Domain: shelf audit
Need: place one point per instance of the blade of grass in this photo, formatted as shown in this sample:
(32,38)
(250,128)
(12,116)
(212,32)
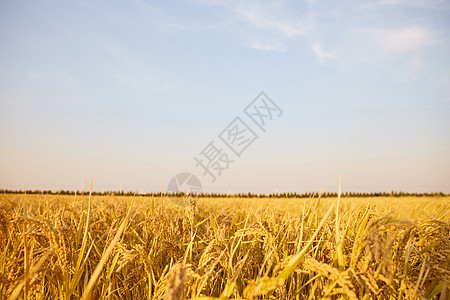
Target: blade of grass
(87,294)
(295,261)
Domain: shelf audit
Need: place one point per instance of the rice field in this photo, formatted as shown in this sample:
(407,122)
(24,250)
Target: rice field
(111,247)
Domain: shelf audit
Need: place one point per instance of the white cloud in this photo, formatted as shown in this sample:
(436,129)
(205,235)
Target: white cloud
(403,40)
(267,16)
(261,25)
(351,27)
(262,18)
(321,54)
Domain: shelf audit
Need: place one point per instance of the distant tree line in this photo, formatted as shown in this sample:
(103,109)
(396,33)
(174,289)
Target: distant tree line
(222,195)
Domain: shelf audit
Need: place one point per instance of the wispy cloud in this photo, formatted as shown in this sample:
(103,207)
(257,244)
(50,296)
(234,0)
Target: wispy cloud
(404,40)
(352,27)
(322,55)
(262,18)
(270,19)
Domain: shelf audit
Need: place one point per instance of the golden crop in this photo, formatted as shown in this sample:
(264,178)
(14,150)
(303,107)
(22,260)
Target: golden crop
(66,247)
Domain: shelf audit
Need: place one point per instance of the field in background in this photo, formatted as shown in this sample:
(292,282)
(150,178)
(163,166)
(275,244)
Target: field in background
(68,247)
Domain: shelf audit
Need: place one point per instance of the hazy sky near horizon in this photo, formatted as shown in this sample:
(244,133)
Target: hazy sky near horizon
(132,91)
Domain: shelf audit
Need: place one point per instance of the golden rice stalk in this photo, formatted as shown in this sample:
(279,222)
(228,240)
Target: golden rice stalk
(262,286)
(295,261)
(175,286)
(87,294)
(34,269)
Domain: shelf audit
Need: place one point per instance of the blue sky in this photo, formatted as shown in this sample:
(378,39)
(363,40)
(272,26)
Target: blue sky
(131,91)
